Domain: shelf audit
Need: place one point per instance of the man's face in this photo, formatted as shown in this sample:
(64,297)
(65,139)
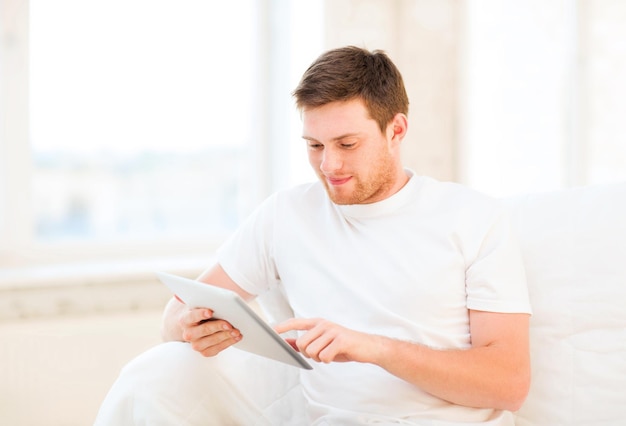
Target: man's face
(356,162)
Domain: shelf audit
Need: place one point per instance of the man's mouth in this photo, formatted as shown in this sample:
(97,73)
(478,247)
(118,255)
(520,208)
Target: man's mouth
(337,181)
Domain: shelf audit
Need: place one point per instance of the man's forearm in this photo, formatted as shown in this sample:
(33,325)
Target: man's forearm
(493,373)
(487,377)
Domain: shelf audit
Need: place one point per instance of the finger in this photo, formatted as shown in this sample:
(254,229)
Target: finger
(204,328)
(314,346)
(215,343)
(292,343)
(211,333)
(331,353)
(296,324)
(314,342)
(193,317)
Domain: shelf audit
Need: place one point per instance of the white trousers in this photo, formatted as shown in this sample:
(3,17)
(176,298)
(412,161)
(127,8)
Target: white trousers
(171,384)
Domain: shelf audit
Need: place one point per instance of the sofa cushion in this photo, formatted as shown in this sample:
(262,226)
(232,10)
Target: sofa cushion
(574,247)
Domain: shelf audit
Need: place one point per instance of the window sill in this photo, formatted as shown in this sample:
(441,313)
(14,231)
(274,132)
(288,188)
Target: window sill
(90,287)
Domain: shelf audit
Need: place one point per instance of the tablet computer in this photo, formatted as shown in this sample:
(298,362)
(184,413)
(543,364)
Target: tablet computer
(258,337)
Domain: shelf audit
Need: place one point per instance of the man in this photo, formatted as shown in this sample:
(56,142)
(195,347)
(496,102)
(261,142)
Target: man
(409,294)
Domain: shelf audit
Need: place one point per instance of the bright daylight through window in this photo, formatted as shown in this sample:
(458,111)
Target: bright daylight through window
(139,122)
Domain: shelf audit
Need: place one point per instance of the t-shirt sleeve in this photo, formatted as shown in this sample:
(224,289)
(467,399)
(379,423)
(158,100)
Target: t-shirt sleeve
(495,276)
(247,255)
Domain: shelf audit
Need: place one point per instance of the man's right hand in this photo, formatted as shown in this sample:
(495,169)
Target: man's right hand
(197,327)
(207,335)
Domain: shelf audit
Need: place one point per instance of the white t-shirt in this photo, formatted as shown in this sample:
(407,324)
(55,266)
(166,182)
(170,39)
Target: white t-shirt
(408,267)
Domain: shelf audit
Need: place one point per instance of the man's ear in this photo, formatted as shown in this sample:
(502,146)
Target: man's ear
(397,128)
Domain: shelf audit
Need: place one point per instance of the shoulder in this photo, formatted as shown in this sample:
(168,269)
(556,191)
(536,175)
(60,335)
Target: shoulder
(470,215)
(303,196)
(455,197)
(285,204)
(304,191)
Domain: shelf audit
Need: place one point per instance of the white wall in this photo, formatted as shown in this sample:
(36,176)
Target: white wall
(517,89)
(603,88)
(542,99)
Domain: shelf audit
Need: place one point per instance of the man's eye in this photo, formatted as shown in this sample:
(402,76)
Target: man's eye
(347,145)
(315,145)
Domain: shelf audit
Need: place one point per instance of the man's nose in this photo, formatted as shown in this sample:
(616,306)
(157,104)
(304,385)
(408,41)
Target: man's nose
(331,160)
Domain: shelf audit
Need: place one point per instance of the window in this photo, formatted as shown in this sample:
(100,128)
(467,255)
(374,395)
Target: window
(139,117)
(149,124)
(543,95)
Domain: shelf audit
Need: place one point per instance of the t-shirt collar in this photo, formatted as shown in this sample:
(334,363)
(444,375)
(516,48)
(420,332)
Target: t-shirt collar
(388,205)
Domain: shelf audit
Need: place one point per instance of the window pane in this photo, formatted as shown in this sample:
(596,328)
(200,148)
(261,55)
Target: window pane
(140,116)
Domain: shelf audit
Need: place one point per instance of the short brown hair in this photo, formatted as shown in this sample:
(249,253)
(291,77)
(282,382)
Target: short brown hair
(350,72)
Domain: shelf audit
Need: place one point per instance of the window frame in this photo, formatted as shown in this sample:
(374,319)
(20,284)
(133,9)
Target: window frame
(15,172)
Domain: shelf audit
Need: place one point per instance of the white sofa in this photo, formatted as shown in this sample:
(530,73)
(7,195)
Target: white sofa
(574,247)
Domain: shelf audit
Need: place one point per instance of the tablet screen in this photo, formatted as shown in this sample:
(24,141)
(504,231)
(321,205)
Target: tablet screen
(258,337)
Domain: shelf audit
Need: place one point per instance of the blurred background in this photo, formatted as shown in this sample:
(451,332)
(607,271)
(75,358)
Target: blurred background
(136,134)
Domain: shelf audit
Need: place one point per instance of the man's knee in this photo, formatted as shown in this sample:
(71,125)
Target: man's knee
(171,384)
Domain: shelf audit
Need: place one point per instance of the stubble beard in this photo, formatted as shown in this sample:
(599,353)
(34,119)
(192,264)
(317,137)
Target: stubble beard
(365,191)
